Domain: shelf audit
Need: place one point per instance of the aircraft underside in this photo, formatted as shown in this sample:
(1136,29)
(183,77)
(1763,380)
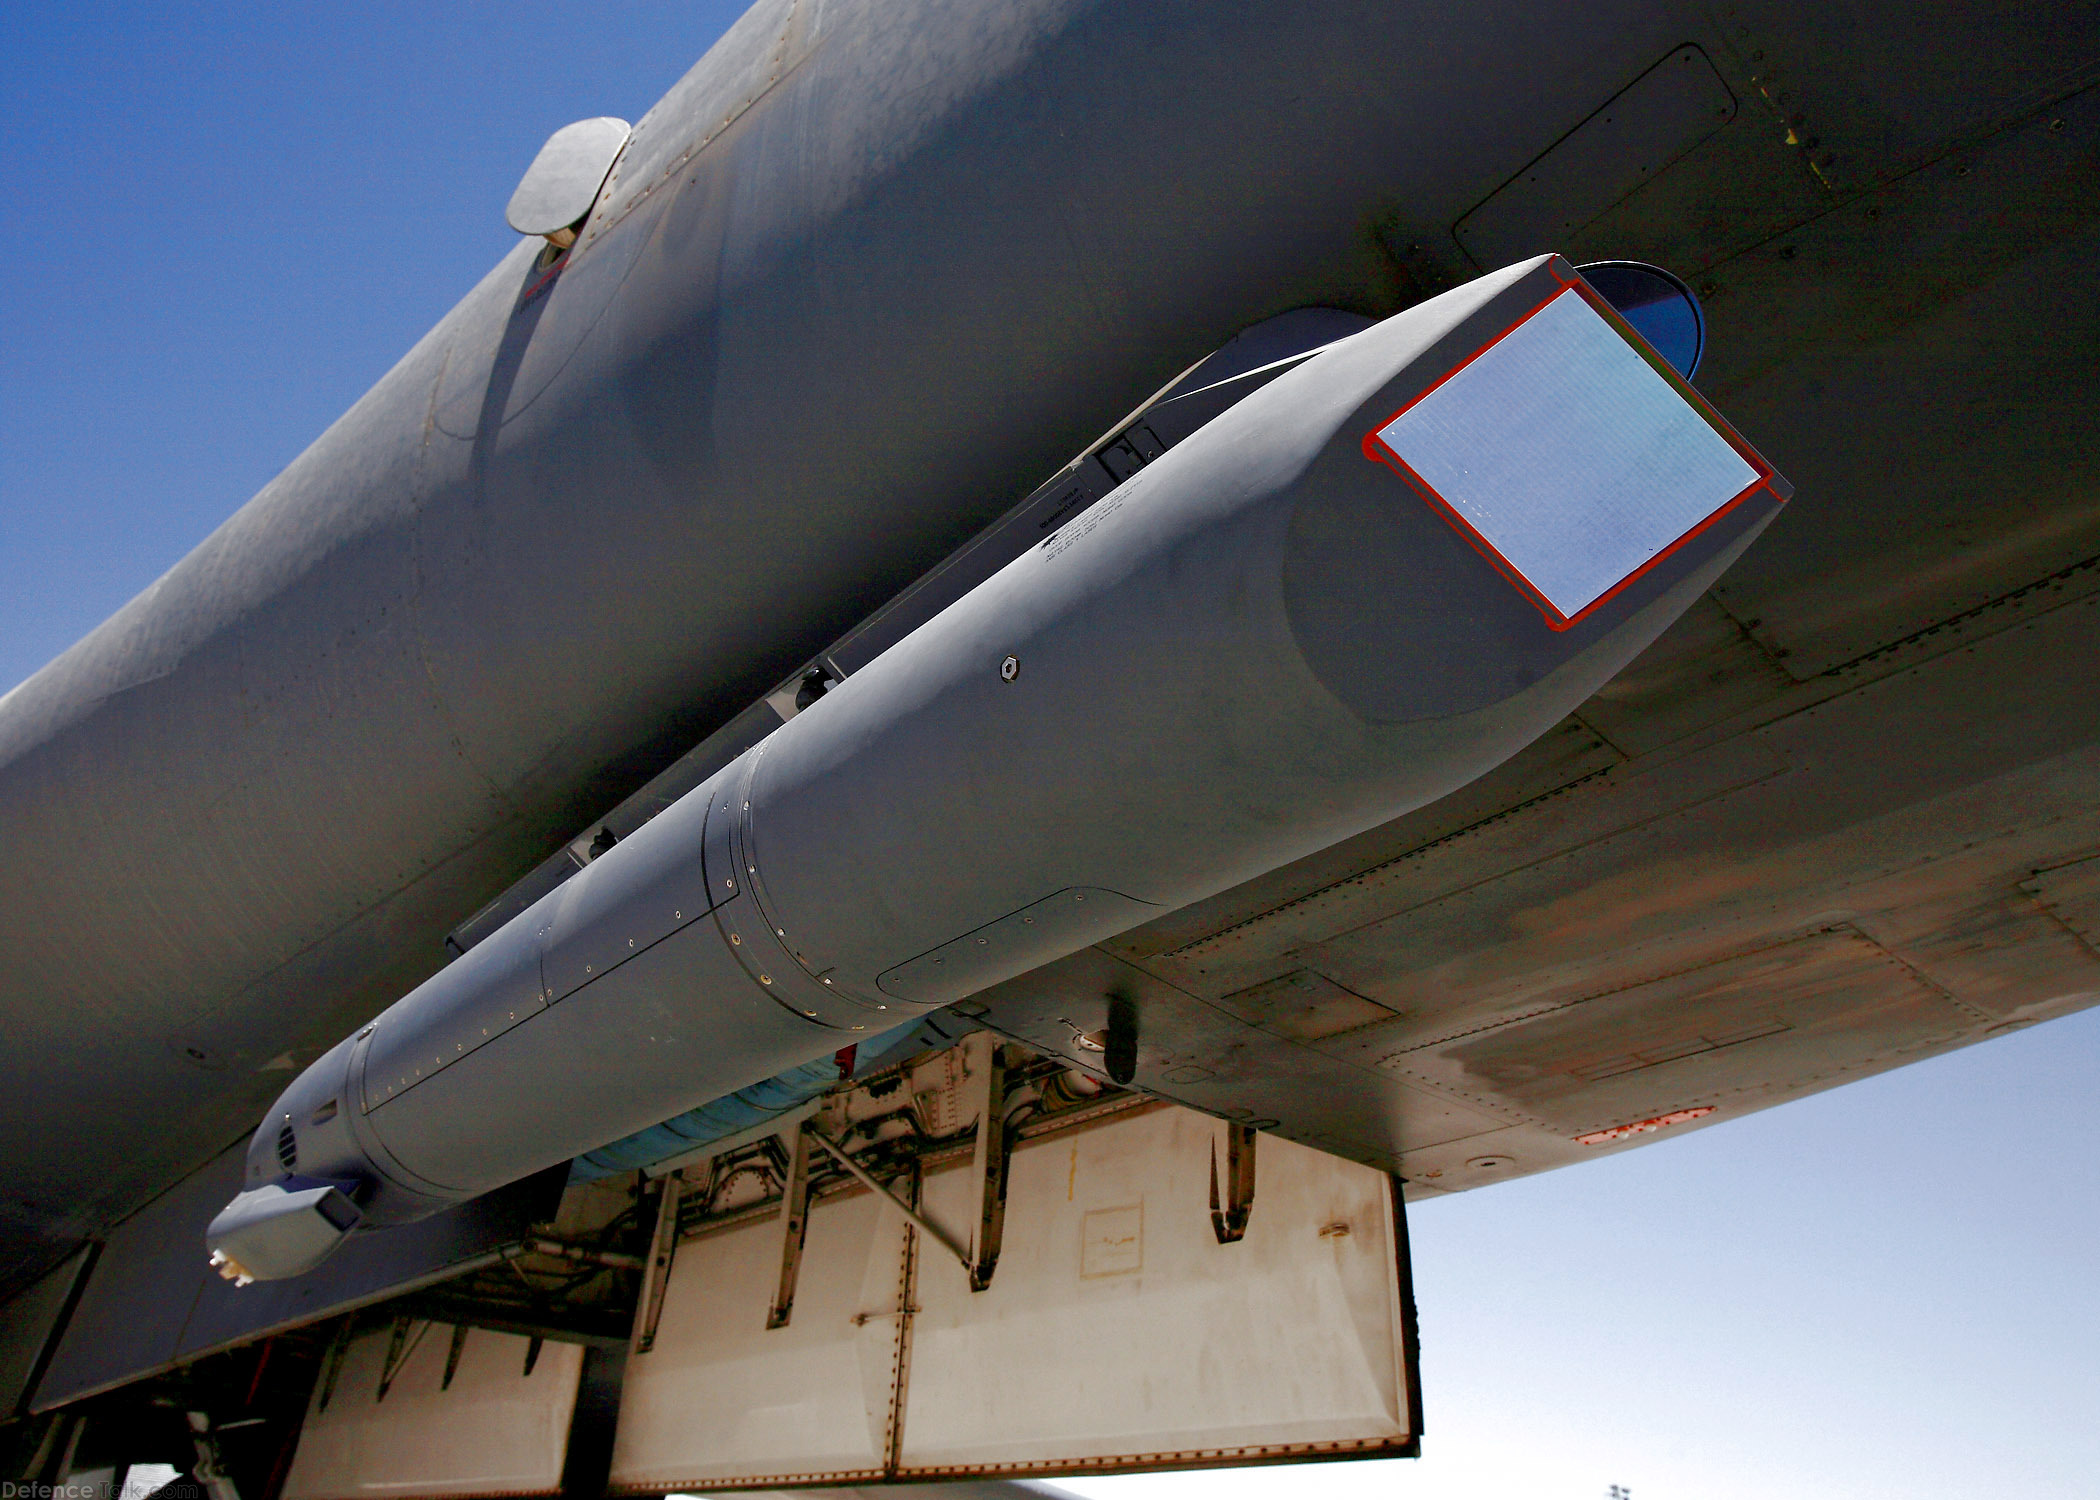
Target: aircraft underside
(874,950)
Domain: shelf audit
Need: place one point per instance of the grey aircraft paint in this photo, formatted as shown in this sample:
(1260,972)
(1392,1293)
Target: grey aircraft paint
(595,513)
(866,277)
(1257,645)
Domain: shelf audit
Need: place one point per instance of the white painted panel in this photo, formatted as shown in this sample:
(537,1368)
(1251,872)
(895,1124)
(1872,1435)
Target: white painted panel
(496,1431)
(1118,1328)
(721,1397)
(1117,1332)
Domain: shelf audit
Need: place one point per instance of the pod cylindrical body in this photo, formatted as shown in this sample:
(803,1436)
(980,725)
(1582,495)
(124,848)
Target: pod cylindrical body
(1258,645)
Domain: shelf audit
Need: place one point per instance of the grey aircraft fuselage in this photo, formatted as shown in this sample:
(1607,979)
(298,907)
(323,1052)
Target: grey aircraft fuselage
(860,281)
(797,356)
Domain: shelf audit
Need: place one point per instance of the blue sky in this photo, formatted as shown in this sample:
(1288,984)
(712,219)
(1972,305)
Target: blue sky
(228,220)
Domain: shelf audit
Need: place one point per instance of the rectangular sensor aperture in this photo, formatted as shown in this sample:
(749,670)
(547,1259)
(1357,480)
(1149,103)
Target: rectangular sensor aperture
(1568,455)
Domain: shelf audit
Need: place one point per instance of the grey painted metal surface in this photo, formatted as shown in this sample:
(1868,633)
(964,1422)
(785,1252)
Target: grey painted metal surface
(562,183)
(152,1304)
(30,1323)
(578,529)
(1259,644)
(279,1231)
(590,517)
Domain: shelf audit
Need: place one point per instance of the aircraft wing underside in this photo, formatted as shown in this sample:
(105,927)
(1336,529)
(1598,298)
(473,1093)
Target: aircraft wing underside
(1839,816)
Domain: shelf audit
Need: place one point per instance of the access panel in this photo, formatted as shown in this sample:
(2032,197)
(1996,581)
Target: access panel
(1123,1326)
(431,1410)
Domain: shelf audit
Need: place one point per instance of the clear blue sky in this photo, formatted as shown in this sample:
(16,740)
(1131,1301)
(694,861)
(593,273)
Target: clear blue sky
(228,220)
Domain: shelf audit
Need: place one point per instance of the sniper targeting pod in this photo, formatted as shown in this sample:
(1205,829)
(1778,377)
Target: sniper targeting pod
(1358,588)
